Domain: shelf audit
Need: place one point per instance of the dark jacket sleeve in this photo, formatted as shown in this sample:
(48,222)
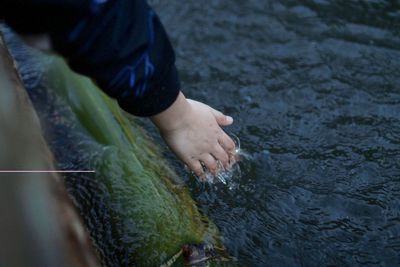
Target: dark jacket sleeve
(121,44)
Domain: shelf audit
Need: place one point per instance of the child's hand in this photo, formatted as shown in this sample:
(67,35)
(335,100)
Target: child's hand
(192,130)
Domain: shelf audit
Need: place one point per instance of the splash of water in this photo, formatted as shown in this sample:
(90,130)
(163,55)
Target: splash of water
(226,175)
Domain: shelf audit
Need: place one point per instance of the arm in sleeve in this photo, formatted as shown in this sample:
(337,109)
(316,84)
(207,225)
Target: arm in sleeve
(122,45)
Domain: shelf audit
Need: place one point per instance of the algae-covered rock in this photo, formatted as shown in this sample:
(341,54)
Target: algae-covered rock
(136,208)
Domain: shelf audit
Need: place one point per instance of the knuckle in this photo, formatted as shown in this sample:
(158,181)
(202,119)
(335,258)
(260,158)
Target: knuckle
(231,145)
(198,171)
(212,165)
(222,156)
(225,158)
(196,168)
(217,147)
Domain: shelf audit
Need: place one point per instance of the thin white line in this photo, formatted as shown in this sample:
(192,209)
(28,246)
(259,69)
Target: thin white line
(43,171)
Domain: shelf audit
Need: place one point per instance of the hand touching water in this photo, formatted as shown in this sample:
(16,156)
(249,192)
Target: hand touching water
(192,131)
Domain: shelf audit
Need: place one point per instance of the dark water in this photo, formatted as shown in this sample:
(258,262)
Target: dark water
(314,87)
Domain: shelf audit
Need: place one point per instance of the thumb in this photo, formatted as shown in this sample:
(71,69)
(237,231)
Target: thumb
(221,118)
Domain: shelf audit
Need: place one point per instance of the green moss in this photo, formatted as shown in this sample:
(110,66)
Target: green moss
(150,204)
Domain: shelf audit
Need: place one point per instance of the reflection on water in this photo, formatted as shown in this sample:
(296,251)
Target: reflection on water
(314,87)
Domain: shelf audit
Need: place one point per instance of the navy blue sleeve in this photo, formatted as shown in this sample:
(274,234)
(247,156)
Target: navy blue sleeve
(121,45)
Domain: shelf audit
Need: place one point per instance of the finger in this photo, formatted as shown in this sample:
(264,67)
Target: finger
(220,154)
(221,118)
(210,163)
(196,167)
(227,143)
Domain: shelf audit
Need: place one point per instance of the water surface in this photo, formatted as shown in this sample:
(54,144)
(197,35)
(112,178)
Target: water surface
(314,87)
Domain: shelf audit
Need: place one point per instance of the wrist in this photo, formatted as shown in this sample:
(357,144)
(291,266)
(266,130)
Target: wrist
(173,117)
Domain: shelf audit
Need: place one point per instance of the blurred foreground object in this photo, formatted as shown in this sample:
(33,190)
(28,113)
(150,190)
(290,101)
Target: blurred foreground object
(38,223)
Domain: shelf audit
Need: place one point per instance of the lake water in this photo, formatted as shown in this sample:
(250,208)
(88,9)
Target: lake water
(314,88)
